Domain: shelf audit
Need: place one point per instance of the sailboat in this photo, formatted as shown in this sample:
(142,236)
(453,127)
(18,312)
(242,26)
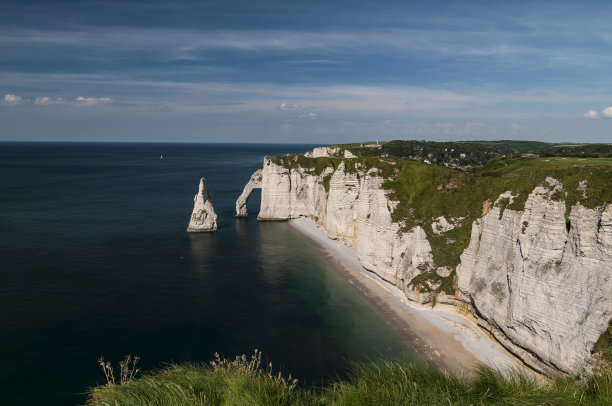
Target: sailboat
(161,157)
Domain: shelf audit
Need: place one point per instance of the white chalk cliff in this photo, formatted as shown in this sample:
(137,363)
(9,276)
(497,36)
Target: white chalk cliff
(541,287)
(203,217)
(329,152)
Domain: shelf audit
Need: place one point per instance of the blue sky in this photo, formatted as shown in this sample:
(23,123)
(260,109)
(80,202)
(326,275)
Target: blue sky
(305,72)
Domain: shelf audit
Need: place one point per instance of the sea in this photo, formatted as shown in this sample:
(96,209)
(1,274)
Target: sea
(95,262)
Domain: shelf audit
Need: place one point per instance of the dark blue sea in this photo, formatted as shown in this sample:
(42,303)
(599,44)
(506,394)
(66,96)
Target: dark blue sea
(95,261)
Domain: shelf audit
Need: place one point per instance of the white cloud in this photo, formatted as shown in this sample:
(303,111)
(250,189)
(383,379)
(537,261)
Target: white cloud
(293,107)
(607,112)
(42,100)
(12,98)
(49,100)
(90,101)
(286,107)
(590,114)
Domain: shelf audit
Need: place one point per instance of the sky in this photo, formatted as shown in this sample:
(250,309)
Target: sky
(305,72)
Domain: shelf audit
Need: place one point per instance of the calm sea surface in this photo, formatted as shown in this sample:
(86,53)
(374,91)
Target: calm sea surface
(95,261)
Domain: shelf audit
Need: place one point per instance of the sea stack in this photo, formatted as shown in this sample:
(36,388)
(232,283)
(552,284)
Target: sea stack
(203,218)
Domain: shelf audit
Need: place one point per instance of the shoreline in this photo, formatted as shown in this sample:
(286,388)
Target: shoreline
(440,334)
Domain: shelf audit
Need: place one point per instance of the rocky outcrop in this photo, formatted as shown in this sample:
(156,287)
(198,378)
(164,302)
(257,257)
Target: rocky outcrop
(441,225)
(540,284)
(203,217)
(348,154)
(241,203)
(322,152)
(329,152)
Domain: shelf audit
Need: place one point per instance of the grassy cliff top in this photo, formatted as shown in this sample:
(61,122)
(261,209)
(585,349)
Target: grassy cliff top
(426,192)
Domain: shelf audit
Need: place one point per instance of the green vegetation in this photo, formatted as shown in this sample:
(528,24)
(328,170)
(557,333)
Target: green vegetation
(502,204)
(430,281)
(470,154)
(456,154)
(577,150)
(243,382)
(603,346)
(426,192)
(316,166)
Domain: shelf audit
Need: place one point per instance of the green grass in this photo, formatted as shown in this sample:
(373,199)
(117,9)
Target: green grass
(603,346)
(381,383)
(191,384)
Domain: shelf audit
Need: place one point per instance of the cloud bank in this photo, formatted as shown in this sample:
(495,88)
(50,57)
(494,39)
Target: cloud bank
(10,98)
(605,113)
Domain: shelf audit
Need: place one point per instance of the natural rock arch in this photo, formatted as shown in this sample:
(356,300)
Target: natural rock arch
(241,203)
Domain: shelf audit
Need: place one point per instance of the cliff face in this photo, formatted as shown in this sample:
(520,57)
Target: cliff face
(540,284)
(354,208)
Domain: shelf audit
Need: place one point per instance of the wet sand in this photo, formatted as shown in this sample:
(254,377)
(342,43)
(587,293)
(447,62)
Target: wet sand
(440,334)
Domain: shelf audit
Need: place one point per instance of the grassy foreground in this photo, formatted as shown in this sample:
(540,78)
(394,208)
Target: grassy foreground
(243,382)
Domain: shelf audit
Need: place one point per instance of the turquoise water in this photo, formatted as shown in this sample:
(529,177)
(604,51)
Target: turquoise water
(95,261)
